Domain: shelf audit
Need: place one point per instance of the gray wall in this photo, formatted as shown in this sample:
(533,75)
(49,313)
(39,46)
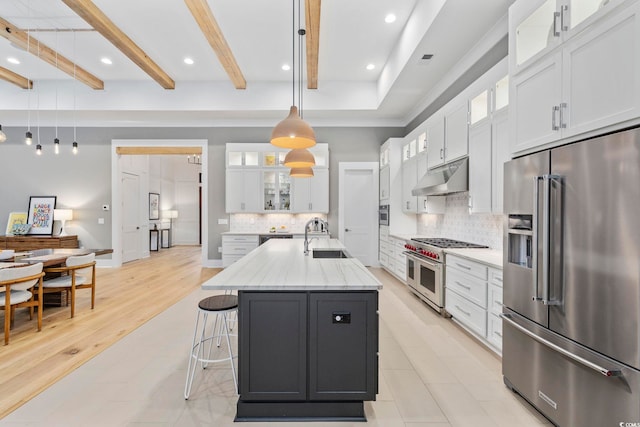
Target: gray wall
(83,182)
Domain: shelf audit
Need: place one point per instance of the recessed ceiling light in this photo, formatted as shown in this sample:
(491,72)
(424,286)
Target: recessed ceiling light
(13,60)
(370,67)
(286,67)
(106,60)
(188,61)
(390,18)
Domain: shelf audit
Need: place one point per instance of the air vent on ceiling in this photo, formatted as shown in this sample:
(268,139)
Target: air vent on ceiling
(427,56)
(425,59)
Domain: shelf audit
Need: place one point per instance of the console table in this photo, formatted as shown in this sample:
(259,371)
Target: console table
(29,243)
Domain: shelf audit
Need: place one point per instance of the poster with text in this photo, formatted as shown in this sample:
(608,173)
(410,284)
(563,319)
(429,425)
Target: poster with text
(41,214)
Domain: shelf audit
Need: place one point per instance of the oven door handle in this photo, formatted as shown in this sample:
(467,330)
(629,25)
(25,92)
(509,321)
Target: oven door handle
(435,265)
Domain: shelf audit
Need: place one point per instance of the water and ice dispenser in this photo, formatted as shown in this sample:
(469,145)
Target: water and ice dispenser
(520,240)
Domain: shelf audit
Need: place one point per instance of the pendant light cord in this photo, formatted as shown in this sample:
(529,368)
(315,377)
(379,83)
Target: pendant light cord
(300,32)
(74,87)
(57,84)
(293,51)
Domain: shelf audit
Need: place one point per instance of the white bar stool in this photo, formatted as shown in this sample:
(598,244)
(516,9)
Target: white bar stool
(222,306)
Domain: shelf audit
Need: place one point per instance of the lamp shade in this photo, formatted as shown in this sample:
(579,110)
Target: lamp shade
(63,214)
(171,214)
(299,158)
(293,132)
(301,173)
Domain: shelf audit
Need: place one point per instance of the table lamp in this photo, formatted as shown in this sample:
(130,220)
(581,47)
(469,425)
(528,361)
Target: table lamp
(62,215)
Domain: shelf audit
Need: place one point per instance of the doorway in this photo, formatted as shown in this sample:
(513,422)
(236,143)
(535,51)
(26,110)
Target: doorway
(358,210)
(149,147)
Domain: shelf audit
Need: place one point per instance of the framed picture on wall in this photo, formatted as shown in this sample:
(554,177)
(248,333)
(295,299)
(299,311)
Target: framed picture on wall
(154,206)
(40,214)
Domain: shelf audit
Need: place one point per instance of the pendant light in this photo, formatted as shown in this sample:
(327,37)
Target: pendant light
(299,158)
(301,173)
(3,136)
(74,148)
(293,132)
(56,141)
(28,136)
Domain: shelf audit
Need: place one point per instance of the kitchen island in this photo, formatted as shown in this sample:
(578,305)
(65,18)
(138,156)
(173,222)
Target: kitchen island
(307,332)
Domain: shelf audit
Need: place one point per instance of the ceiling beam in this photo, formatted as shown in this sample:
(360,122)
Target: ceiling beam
(32,45)
(158,150)
(16,79)
(312,22)
(102,24)
(209,26)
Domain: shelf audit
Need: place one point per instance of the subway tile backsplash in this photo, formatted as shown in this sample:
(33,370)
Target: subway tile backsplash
(261,223)
(457,223)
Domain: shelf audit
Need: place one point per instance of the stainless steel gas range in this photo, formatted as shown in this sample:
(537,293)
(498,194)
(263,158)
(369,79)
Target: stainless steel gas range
(425,267)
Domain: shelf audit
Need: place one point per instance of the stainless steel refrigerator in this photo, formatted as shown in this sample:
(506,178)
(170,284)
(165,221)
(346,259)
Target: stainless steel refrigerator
(571,317)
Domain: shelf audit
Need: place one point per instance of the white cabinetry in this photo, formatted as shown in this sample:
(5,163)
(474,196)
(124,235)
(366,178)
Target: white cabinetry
(243,190)
(575,68)
(391,254)
(235,246)
(414,166)
(257,181)
(448,132)
(489,141)
(473,298)
(385,184)
(311,194)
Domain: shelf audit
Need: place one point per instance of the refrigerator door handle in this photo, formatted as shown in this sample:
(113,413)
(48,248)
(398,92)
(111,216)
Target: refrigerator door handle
(547,244)
(534,240)
(604,371)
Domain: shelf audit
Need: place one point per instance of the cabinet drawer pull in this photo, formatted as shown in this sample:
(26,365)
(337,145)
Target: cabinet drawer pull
(466,267)
(497,302)
(498,279)
(562,107)
(464,286)
(498,333)
(556,32)
(464,312)
(554,112)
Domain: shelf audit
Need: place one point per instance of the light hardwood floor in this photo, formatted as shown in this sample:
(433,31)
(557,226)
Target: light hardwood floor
(126,298)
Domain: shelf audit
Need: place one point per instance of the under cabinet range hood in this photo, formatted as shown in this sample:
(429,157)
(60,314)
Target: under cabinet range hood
(447,179)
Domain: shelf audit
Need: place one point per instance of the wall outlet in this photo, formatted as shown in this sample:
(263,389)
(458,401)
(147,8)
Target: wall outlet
(101,221)
(105,207)
(223,221)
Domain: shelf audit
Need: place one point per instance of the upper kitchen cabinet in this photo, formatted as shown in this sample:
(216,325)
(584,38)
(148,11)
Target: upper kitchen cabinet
(276,187)
(448,133)
(583,77)
(385,173)
(243,191)
(311,194)
(488,140)
(242,158)
(426,204)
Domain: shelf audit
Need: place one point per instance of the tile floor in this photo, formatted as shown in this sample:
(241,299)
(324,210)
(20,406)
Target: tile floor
(431,375)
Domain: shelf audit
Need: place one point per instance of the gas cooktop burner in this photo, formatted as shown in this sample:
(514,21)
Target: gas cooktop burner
(447,243)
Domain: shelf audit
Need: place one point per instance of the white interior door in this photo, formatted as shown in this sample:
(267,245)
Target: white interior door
(186,228)
(358,210)
(130,217)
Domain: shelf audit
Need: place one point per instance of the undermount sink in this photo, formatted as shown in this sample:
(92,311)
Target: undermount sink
(330,253)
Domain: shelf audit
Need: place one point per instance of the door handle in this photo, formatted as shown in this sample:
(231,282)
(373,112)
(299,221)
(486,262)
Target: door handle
(347,229)
(137,228)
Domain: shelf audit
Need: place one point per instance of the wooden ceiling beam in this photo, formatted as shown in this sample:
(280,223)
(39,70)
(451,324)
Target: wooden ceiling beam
(102,24)
(312,22)
(158,150)
(16,79)
(32,45)
(209,26)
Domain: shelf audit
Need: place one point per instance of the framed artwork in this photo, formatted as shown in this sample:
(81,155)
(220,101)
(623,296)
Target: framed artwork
(40,214)
(154,206)
(15,218)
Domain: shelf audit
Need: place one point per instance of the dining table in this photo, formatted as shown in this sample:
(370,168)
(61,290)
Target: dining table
(55,257)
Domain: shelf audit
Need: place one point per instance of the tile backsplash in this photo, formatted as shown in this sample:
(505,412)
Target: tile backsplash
(457,223)
(261,223)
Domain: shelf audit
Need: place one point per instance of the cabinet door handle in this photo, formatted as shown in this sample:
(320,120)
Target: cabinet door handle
(563,24)
(466,267)
(562,108)
(554,124)
(556,32)
(464,286)
(462,311)
(442,153)
(347,229)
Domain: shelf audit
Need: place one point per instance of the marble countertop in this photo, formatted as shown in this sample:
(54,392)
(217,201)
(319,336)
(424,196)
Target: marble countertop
(280,265)
(491,257)
(260,233)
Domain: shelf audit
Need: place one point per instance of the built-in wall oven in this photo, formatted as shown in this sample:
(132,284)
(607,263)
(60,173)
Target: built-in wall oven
(383,215)
(425,267)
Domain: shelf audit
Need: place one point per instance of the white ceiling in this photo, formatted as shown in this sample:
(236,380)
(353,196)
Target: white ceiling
(259,32)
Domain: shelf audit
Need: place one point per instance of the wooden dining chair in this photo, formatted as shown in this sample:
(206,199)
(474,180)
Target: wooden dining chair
(16,291)
(79,272)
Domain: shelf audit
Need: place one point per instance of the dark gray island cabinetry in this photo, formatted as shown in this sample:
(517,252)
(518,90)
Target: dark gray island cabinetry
(307,333)
(307,354)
